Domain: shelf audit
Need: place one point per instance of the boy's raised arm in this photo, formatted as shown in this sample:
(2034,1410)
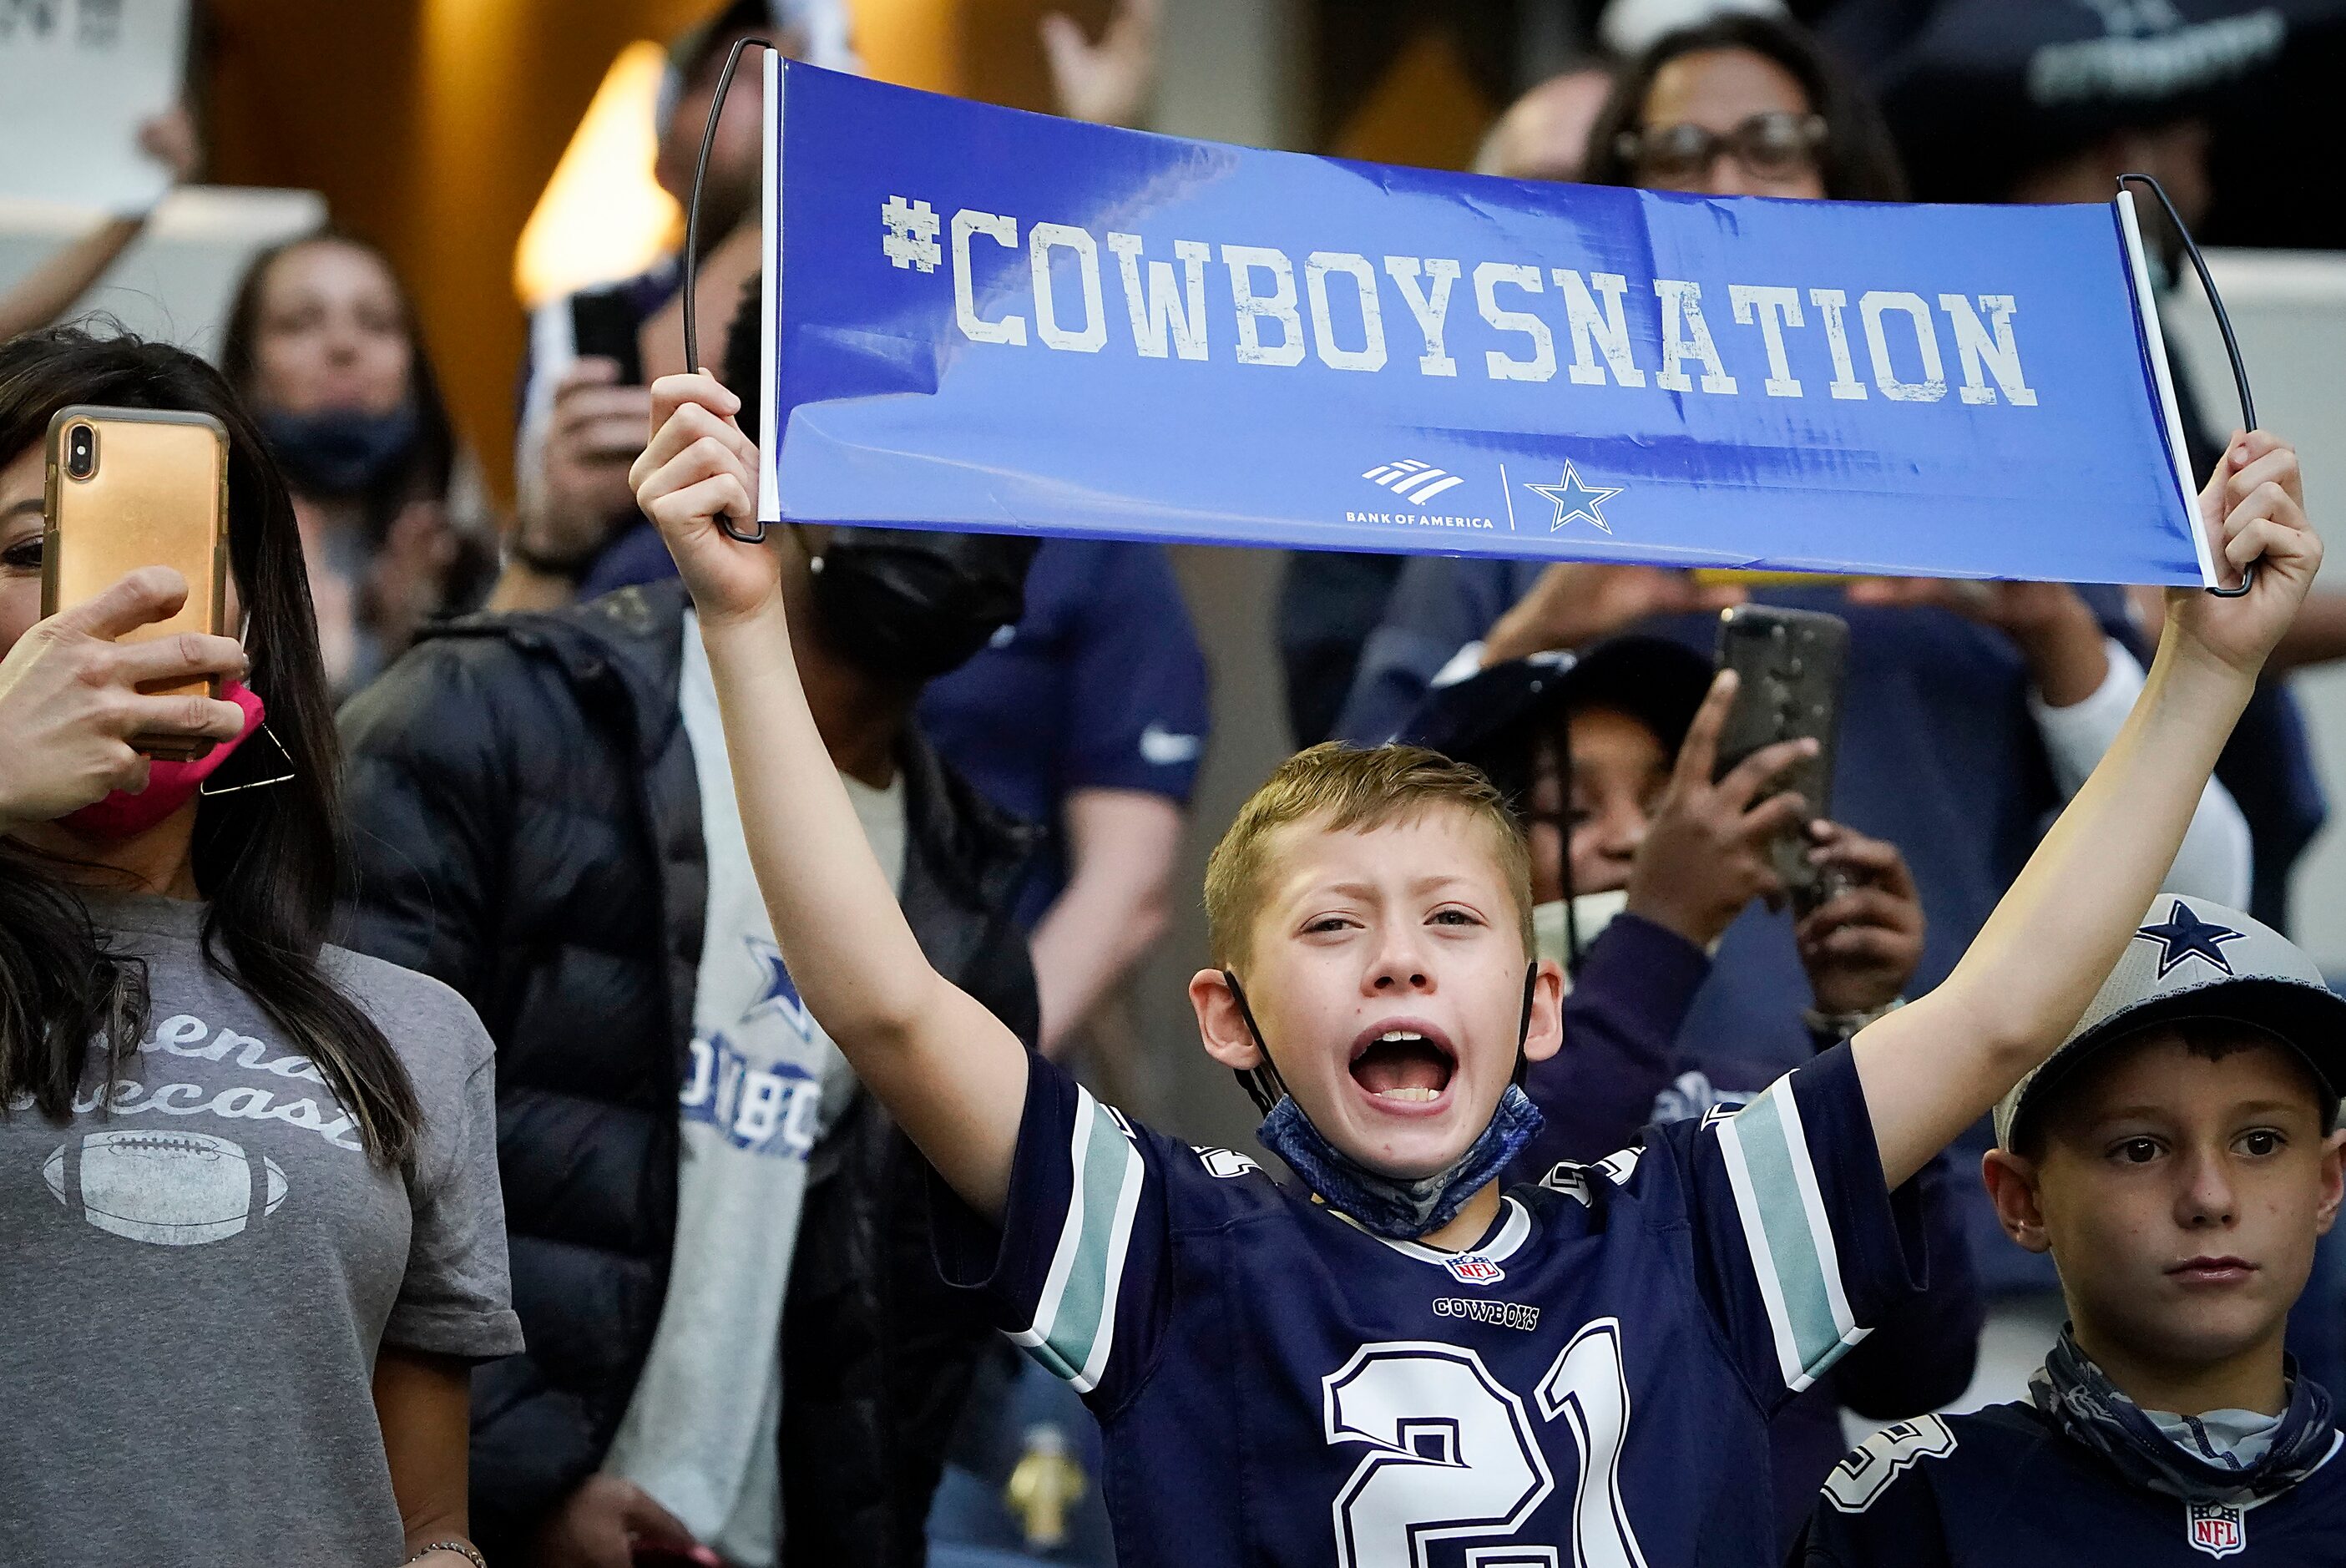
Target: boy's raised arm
(1932,1069)
(952,1074)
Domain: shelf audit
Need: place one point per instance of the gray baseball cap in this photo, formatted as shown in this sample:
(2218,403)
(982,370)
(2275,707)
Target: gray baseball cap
(2195,961)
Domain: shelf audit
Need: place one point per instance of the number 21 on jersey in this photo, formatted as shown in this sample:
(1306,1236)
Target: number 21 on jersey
(1452,1453)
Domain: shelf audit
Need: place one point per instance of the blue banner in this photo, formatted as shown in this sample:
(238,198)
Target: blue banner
(999,320)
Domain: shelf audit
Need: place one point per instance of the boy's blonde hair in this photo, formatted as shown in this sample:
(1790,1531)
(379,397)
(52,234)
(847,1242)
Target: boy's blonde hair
(1343,788)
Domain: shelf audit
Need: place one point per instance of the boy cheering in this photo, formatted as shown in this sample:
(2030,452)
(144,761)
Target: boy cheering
(2176,1157)
(1403,1366)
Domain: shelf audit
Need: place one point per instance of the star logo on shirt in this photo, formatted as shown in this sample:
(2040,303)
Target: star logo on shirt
(778,994)
(1576,499)
(2186,936)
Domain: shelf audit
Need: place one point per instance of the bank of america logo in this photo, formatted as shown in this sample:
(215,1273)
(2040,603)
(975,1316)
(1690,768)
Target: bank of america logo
(1416,483)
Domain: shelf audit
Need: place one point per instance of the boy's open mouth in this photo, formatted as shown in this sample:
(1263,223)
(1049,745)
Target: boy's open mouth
(1407,1063)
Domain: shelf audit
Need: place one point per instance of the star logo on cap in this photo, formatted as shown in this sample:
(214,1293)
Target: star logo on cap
(2184,936)
(1574,498)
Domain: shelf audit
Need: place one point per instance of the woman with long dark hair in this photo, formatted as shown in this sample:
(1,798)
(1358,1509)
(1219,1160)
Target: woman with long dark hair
(251,1234)
(323,347)
(1743,105)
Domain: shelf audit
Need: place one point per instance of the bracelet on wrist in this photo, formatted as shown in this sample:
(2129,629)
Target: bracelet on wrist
(464,1549)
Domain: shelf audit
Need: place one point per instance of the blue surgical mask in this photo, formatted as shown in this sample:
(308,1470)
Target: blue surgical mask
(340,451)
(1392,1206)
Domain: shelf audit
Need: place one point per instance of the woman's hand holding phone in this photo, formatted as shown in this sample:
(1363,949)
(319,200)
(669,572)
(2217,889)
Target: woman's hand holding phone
(70,704)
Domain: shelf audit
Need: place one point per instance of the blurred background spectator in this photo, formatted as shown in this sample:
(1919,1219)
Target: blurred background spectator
(2002,101)
(2005,100)
(324,346)
(1088,718)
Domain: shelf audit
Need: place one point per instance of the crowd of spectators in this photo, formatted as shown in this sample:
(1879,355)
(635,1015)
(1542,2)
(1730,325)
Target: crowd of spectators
(694,1295)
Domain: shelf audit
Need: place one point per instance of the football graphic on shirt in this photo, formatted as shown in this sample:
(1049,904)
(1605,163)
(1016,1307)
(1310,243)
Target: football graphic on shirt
(168,1188)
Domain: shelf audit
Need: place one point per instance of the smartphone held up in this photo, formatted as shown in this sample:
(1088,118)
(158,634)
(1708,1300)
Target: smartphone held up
(127,488)
(1790,666)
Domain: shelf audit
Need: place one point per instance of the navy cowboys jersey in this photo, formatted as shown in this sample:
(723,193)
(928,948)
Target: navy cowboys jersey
(2004,1489)
(1587,1386)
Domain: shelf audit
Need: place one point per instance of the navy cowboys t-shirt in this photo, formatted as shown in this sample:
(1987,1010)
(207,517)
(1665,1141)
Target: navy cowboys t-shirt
(1589,1384)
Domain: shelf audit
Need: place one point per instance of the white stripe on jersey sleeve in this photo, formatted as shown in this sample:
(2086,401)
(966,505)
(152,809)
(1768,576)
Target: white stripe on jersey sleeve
(1788,1234)
(1071,1232)
(1755,1239)
(1812,1205)
(1075,1318)
(1120,1244)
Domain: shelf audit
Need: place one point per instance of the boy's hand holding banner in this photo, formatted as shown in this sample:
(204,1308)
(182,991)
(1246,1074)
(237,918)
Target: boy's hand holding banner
(985,319)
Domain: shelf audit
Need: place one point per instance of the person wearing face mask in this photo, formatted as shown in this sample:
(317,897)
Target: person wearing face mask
(720,1244)
(323,345)
(251,1235)
(1640,862)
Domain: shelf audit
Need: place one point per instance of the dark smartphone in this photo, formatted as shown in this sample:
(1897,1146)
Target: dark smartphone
(604,325)
(1790,665)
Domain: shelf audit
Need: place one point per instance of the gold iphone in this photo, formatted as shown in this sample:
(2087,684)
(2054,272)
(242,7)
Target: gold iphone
(132,487)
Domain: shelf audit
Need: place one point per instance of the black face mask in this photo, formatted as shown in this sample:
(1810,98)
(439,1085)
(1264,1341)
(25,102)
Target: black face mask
(912,605)
(340,451)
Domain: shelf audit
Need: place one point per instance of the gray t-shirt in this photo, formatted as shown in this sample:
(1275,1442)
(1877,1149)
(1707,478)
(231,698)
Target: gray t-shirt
(193,1285)
(766,1085)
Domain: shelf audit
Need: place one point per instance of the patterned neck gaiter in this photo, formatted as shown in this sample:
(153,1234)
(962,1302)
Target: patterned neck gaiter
(2075,1395)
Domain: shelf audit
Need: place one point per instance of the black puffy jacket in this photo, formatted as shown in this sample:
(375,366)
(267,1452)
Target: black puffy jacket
(527,820)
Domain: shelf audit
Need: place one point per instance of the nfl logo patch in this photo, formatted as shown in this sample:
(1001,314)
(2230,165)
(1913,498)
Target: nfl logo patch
(1473,1268)
(2217,1528)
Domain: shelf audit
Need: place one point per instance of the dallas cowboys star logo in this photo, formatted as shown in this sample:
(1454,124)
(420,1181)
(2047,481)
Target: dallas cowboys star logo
(1574,498)
(779,993)
(2186,935)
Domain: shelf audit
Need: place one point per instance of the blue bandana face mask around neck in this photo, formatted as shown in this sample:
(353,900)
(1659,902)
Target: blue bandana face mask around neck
(1391,1206)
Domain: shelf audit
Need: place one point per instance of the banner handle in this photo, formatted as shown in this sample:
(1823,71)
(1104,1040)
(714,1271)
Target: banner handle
(2232,344)
(692,247)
